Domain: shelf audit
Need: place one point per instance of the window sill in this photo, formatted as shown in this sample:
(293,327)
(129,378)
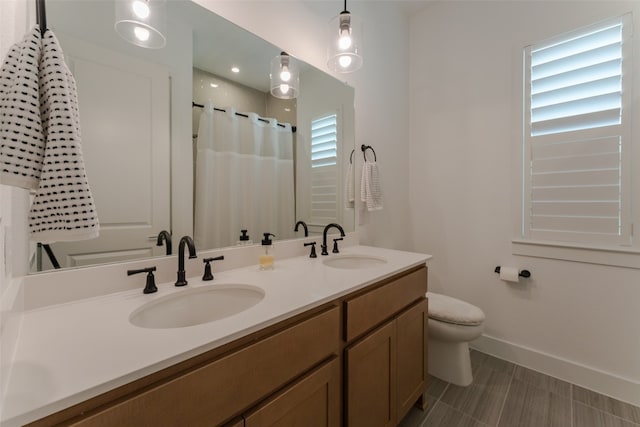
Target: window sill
(618,257)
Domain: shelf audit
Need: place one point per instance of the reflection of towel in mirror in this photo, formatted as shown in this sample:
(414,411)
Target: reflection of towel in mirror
(370,191)
(63,208)
(349,189)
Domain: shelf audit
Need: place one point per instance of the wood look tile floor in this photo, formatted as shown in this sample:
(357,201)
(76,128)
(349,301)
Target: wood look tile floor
(507,395)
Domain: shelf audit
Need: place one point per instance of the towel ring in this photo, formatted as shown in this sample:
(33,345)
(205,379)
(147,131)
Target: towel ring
(364,149)
(351,156)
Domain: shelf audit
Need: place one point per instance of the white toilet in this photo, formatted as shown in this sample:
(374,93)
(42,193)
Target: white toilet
(452,324)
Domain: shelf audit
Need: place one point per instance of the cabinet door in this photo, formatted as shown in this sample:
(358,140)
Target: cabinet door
(411,330)
(371,373)
(313,401)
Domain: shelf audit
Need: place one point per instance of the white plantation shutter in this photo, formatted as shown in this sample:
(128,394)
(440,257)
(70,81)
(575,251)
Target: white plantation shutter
(577,136)
(324,137)
(324,169)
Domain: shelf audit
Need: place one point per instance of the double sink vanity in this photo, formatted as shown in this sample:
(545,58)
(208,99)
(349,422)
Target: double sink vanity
(328,341)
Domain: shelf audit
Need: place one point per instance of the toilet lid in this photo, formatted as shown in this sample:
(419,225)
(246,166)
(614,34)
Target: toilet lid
(452,310)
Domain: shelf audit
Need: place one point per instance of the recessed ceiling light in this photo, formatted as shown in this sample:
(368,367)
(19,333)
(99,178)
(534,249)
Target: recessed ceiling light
(287,109)
(213,84)
(235,69)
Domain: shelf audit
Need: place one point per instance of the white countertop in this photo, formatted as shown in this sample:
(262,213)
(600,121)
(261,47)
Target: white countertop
(70,352)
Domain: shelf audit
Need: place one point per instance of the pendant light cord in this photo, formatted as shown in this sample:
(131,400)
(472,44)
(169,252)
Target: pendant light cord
(345,6)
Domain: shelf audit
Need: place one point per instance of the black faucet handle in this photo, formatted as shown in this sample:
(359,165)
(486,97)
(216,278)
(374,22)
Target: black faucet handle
(335,245)
(141,270)
(150,286)
(208,274)
(313,249)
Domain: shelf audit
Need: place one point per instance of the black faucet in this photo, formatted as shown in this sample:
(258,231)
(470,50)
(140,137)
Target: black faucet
(324,236)
(164,234)
(304,225)
(182,281)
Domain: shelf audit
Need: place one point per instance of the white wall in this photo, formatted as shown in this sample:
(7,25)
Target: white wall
(381,88)
(573,320)
(14,21)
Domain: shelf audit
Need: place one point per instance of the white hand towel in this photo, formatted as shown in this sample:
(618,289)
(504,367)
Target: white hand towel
(349,189)
(63,208)
(363,183)
(21,138)
(370,190)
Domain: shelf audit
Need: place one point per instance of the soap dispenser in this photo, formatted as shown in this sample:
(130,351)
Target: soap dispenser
(244,239)
(266,259)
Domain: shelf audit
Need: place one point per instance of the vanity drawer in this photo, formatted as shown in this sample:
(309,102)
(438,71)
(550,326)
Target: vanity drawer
(221,389)
(364,312)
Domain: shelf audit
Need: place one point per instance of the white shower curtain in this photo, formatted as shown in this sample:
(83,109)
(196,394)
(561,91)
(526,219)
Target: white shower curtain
(243,180)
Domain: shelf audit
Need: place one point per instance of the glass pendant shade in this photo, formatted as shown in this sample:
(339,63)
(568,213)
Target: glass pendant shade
(285,77)
(142,22)
(344,44)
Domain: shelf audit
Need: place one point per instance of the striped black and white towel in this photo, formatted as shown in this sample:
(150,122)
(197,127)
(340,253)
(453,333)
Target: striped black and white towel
(63,208)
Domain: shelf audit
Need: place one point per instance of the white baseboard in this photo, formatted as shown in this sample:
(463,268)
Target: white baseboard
(584,376)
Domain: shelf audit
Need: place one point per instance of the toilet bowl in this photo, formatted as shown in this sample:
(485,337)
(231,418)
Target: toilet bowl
(452,324)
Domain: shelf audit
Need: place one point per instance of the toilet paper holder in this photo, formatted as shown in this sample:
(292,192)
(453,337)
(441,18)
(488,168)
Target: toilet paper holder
(522,273)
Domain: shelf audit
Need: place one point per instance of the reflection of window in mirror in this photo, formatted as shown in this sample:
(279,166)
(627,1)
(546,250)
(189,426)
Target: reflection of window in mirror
(324,170)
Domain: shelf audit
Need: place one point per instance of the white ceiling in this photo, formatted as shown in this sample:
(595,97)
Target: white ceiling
(217,43)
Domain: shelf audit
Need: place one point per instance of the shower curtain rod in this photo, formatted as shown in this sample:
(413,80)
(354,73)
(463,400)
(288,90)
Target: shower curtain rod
(194,104)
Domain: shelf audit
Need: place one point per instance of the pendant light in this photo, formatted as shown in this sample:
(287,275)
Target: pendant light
(344,45)
(142,22)
(285,78)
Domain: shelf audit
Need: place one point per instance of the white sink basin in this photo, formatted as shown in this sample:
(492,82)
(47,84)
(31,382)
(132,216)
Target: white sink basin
(196,306)
(353,261)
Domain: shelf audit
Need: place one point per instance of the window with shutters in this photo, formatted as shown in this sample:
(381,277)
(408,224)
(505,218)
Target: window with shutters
(577,145)
(324,169)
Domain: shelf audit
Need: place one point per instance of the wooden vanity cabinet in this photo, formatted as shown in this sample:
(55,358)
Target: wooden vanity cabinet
(386,369)
(359,360)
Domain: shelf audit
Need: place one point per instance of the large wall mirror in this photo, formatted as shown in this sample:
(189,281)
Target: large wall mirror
(165,150)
